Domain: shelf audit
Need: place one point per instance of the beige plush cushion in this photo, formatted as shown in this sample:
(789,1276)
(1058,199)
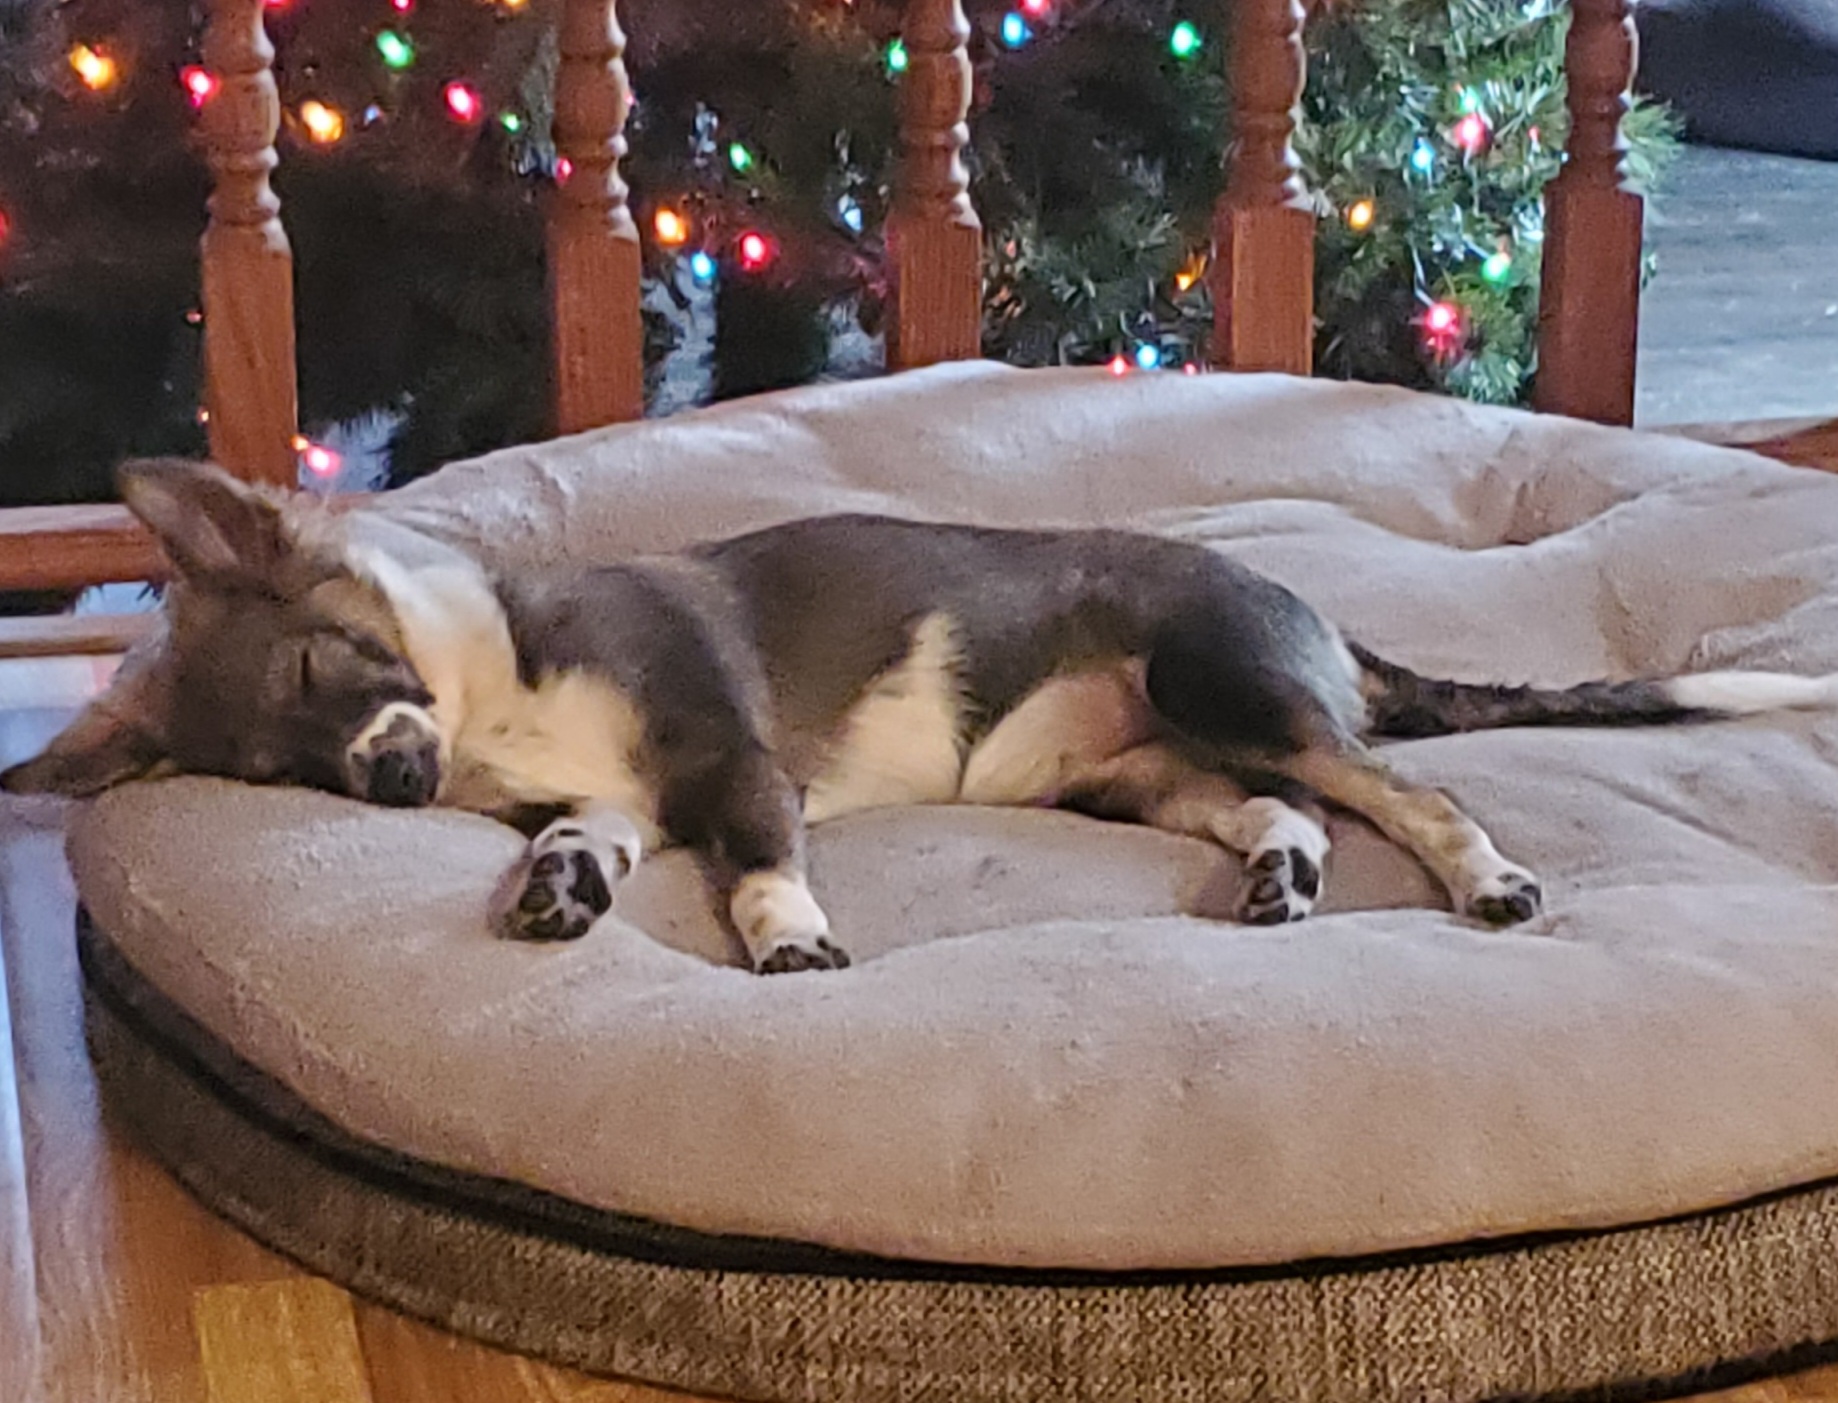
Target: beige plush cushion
(1044,1055)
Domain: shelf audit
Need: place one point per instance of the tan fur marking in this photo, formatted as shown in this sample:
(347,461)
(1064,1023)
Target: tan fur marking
(1453,846)
(1064,726)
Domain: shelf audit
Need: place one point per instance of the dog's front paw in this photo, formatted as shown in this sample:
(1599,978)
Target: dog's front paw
(1282,885)
(1506,897)
(560,887)
(784,928)
(793,954)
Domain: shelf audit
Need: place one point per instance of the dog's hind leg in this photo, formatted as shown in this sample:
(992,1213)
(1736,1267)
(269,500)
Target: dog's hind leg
(1284,847)
(1453,846)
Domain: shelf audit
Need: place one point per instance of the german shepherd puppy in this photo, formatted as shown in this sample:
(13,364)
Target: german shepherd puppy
(730,695)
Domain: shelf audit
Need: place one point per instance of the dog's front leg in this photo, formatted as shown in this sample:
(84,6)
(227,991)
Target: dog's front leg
(564,881)
(746,819)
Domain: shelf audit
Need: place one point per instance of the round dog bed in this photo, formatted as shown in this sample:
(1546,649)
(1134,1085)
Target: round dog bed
(1056,1133)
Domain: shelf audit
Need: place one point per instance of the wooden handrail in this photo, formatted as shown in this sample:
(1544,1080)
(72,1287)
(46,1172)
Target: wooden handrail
(1589,303)
(934,236)
(248,269)
(595,264)
(58,548)
(1263,270)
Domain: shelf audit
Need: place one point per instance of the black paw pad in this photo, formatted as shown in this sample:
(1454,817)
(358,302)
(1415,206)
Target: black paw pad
(1513,901)
(794,958)
(564,893)
(1284,885)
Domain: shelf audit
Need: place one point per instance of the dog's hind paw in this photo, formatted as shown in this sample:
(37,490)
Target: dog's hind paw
(560,887)
(792,956)
(1508,897)
(1283,885)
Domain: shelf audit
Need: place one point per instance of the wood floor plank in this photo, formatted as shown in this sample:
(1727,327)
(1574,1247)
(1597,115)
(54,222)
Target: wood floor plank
(1813,1386)
(279,1342)
(415,1363)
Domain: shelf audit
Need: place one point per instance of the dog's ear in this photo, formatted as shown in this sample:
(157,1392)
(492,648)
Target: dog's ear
(214,529)
(117,737)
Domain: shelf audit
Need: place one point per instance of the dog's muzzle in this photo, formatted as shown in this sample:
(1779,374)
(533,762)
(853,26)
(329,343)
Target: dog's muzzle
(395,759)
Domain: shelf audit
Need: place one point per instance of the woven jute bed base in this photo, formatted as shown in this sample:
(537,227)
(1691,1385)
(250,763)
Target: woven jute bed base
(1653,1311)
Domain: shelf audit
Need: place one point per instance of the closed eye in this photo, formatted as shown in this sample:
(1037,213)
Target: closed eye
(305,677)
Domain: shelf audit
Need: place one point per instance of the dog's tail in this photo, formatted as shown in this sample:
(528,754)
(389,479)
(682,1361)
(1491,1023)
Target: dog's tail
(1403,705)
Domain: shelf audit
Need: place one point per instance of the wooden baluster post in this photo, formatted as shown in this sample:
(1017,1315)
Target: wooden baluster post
(935,239)
(595,264)
(1263,273)
(248,270)
(1589,305)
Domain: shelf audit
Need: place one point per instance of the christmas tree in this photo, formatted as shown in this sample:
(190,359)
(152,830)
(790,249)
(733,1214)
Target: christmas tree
(415,154)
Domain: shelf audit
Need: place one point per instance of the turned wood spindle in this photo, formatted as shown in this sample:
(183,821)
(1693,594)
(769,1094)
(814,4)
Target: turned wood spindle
(935,238)
(247,275)
(1263,273)
(1589,306)
(595,264)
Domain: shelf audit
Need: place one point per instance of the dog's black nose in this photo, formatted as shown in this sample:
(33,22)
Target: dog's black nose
(405,778)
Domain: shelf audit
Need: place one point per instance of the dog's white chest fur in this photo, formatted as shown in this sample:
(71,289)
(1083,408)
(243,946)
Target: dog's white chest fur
(569,738)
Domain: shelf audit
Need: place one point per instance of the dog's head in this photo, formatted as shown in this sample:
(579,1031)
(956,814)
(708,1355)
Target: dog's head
(278,664)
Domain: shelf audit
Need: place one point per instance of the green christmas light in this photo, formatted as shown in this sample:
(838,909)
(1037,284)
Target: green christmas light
(1498,267)
(1184,42)
(511,122)
(740,158)
(396,50)
(897,57)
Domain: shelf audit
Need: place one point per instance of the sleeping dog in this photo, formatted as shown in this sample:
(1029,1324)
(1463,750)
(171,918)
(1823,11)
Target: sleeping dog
(728,696)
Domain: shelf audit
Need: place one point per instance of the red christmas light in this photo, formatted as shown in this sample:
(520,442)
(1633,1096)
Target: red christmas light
(463,102)
(1472,133)
(756,251)
(1119,365)
(1036,8)
(402,7)
(6,227)
(200,84)
(1444,328)
(320,461)
(563,169)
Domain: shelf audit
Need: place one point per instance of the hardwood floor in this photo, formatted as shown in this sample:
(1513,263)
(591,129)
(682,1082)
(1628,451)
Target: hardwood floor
(115,1287)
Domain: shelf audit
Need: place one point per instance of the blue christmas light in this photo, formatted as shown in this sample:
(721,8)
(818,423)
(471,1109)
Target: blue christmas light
(1015,31)
(851,213)
(1149,356)
(1423,158)
(702,268)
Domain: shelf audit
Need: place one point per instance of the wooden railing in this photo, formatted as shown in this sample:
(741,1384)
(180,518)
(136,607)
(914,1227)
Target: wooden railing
(1261,272)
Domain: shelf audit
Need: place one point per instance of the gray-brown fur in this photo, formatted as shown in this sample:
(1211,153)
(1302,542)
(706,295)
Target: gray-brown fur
(1405,706)
(1029,604)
